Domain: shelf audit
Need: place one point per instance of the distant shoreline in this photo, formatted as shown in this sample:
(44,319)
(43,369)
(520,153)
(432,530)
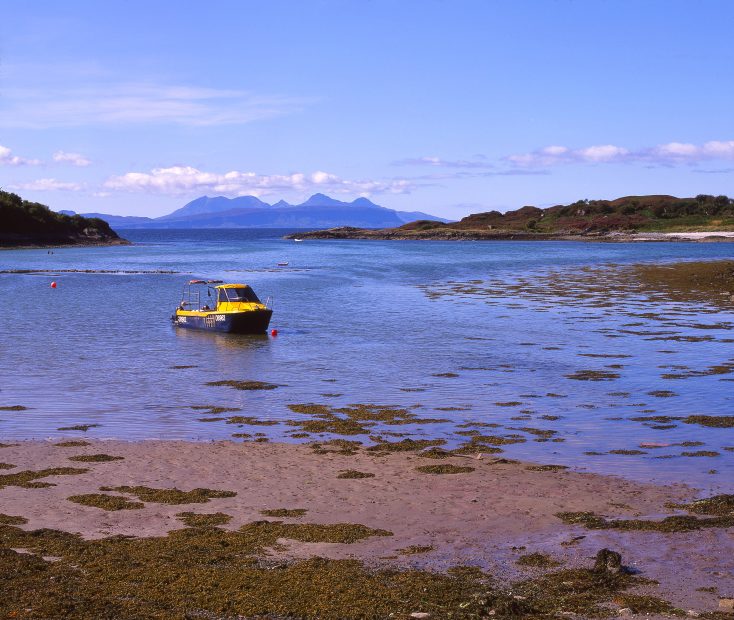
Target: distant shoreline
(476,235)
(51,245)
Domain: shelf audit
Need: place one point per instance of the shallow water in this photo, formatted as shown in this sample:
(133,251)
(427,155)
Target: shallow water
(376,322)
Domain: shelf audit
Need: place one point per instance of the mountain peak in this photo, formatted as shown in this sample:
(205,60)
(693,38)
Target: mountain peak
(364,202)
(218,204)
(322,200)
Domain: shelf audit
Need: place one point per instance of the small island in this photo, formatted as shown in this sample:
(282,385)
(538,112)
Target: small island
(31,224)
(646,218)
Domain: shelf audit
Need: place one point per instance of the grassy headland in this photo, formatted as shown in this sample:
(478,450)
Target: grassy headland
(25,223)
(584,218)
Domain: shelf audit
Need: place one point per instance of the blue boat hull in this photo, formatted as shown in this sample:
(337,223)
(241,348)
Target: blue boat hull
(251,322)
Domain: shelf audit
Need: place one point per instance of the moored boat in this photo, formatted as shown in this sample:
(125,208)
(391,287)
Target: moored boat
(229,308)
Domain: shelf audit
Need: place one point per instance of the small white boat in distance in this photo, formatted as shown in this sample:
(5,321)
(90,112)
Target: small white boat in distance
(283,264)
(297,240)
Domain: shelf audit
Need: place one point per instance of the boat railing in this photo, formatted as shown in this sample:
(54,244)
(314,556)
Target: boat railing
(269,302)
(190,300)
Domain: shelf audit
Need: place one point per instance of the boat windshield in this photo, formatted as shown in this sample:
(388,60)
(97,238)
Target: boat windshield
(238,294)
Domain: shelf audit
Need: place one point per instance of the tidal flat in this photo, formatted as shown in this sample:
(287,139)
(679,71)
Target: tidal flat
(496,536)
(556,407)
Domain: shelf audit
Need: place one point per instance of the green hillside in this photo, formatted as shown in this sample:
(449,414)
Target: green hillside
(628,214)
(30,223)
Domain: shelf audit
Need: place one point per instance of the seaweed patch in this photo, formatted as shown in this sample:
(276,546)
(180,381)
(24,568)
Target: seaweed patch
(290,513)
(244,385)
(105,502)
(446,468)
(170,496)
(96,458)
(196,519)
(28,479)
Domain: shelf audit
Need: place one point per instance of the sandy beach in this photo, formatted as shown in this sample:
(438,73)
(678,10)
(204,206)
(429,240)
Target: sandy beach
(488,516)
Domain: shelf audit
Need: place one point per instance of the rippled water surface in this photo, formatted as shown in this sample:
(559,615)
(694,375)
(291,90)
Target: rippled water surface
(532,337)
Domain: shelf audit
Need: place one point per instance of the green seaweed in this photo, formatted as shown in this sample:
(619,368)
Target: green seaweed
(536,560)
(593,375)
(170,496)
(353,474)
(677,523)
(7,466)
(547,467)
(405,445)
(712,421)
(720,505)
(250,421)
(75,443)
(196,519)
(79,427)
(244,385)
(106,502)
(290,513)
(336,446)
(446,468)
(14,408)
(214,409)
(629,452)
(12,520)
(211,572)
(27,479)
(95,458)
(415,549)
(702,453)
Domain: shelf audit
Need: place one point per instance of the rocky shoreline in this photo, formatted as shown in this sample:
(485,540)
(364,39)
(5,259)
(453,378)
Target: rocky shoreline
(44,244)
(450,234)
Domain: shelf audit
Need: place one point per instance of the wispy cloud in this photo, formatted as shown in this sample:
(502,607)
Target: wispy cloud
(47,185)
(75,159)
(117,103)
(186,180)
(438,162)
(715,171)
(8,159)
(669,154)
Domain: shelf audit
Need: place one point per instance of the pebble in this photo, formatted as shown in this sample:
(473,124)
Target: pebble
(420,614)
(625,611)
(726,605)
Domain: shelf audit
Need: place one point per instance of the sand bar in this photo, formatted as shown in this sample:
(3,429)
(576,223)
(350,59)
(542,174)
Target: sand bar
(487,517)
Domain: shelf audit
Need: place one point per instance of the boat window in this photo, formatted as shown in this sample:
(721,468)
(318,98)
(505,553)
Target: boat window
(238,294)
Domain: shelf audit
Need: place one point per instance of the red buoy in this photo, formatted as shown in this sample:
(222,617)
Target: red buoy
(53,284)
(273,332)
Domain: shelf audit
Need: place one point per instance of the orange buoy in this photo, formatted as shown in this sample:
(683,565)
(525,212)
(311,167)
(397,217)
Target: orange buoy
(53,284)
(273,332)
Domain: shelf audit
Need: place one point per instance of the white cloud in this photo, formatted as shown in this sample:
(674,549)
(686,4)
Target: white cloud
(111,102)
(605,152)
(671,153)
(71,158)
(186,180)
(8,159)
(47,185)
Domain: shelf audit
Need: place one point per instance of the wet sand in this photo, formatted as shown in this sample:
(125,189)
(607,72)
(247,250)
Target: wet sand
(487,517)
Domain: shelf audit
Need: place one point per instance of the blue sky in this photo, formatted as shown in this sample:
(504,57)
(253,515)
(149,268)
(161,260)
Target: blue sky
(449,107)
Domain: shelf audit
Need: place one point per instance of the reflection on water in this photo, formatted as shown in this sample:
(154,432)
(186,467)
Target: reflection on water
(546,348)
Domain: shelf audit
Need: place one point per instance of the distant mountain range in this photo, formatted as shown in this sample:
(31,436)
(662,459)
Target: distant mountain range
(319,211)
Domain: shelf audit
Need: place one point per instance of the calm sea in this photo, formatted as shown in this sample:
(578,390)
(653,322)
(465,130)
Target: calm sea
(466,331)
